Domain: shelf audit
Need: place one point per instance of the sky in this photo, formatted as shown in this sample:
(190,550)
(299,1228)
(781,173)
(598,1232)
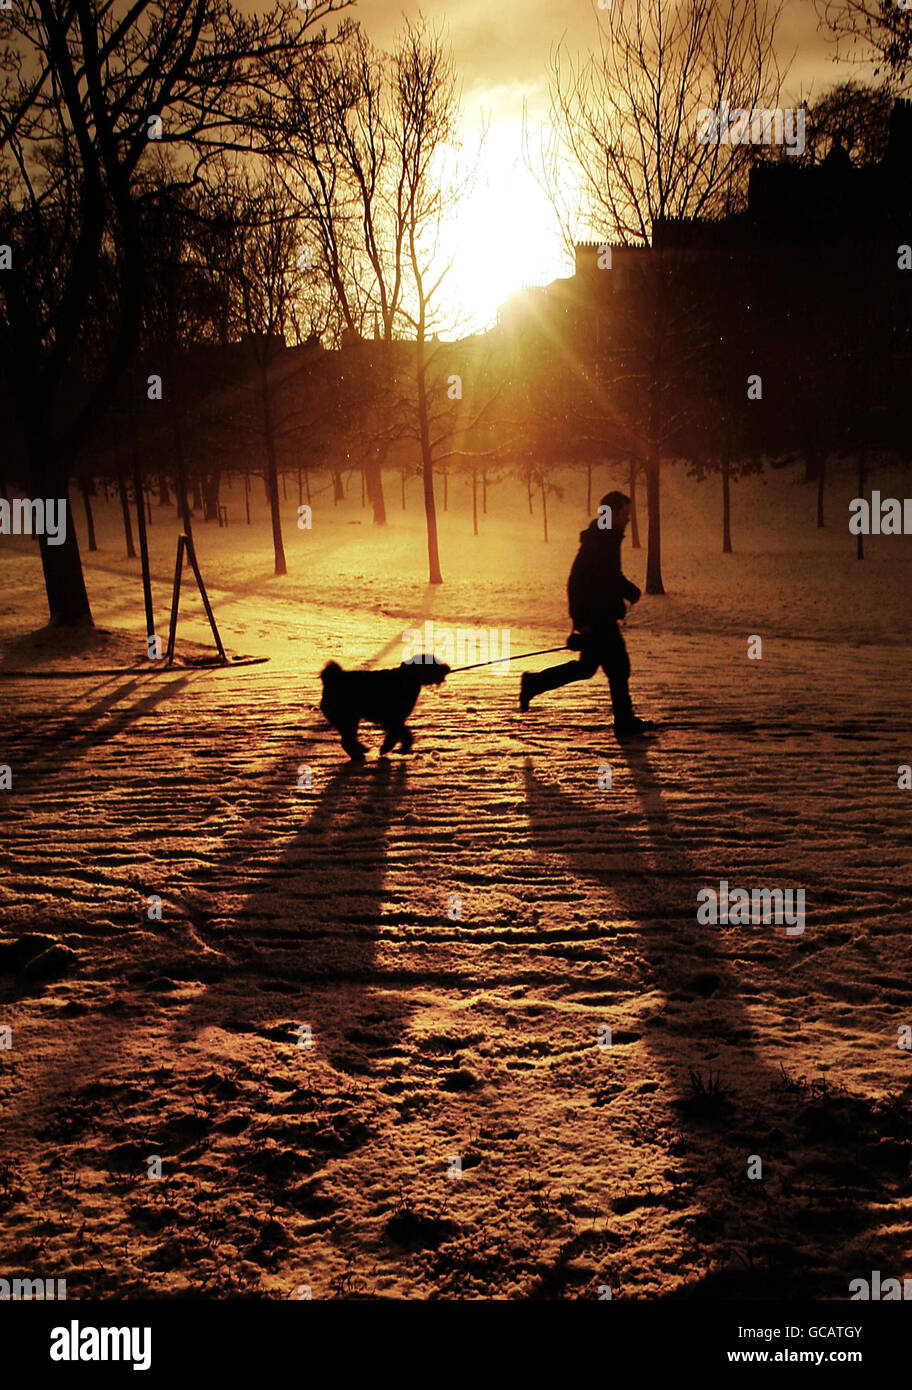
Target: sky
(506,235)
(501,47)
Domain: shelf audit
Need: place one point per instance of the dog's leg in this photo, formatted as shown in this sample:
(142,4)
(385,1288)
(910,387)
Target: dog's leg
(401,735)
(350,742)
(389,743)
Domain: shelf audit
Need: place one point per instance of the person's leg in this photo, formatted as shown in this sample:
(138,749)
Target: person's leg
(537,682)
(616,664)
(555,676)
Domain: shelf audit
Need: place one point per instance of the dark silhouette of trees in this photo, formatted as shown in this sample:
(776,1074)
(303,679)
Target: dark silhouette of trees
(627,118)
(855,116)
(89,91)
(870,31)
(361,135)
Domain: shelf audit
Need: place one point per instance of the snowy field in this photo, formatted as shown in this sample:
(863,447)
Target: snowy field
(456,1126)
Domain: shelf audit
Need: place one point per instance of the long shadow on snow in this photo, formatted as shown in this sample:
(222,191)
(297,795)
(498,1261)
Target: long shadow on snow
(309,925)
(791,1235)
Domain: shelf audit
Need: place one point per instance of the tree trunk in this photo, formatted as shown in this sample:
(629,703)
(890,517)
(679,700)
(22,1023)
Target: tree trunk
(338,487)
(180,468)
(197,494)
(430,514)
(726,507)
(64,582)
(544,502)
(247,496)
(211,487)
(272,479)
(529,491)
(427,465)
(375,485)
(164,492)
(90,520)
(125,508)
(862,484)
(821,485)
(143,538)
(634,520)
(654,583)
(183,505)
(655,417)
(484,491)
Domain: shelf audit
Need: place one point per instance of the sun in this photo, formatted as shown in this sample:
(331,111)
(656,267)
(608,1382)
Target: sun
(501,235)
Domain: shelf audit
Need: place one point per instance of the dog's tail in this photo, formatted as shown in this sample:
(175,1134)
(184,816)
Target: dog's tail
(331,671)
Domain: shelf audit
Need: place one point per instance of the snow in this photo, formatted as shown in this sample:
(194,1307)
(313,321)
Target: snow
(288,1167)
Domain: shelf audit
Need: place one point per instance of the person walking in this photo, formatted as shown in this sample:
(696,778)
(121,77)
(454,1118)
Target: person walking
(597,590)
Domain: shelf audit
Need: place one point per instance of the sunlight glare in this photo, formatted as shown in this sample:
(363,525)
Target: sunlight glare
(504,235)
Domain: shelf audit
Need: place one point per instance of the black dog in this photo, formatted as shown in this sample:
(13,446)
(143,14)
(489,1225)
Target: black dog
(386,698)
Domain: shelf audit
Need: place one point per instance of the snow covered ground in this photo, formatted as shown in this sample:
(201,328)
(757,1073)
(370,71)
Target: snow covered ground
(351,1088)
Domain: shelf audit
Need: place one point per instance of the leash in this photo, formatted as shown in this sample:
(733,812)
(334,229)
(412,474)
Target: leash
(499,660)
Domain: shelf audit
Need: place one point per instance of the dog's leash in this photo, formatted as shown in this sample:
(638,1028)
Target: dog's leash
(499,660)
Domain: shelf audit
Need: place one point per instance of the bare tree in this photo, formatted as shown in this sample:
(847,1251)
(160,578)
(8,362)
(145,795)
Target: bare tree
(425,114)
(261,244)
(87,90)
(856,116)
(330,125)
(878,32)
(187,302)
(362,137)
(627,119)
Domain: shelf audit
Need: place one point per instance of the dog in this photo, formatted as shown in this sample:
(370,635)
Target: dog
(386,698)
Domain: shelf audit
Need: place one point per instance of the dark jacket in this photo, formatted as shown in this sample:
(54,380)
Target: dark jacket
(597,588)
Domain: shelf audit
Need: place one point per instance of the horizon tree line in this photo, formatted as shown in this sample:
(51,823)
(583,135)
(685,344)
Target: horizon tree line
(180,178)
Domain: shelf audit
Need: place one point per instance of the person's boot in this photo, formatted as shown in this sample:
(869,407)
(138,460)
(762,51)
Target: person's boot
(632,729)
